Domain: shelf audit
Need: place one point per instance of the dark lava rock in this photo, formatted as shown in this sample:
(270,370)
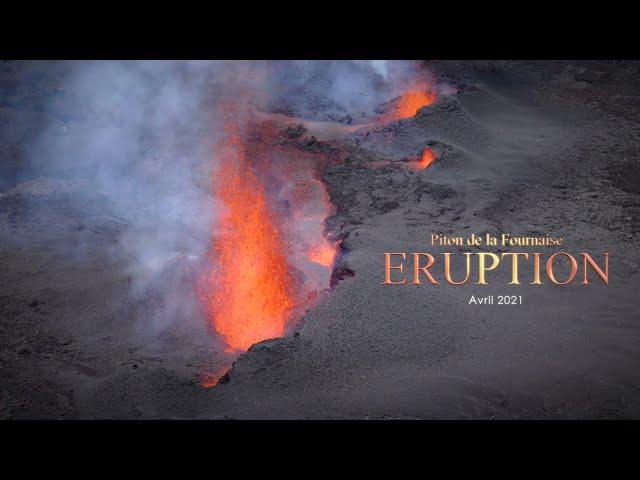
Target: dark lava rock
(339,274)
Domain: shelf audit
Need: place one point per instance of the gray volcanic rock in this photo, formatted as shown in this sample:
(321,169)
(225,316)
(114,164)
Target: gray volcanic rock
(375,351)
(526,148)
(445,121)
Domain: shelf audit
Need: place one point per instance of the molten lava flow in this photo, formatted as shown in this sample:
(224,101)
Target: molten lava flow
(252,287)
(409,103)
(323,254)
(271,254)
(428,157)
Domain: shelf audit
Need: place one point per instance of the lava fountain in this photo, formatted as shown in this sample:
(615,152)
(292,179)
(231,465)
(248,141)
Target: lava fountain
(251,287)
(270,254)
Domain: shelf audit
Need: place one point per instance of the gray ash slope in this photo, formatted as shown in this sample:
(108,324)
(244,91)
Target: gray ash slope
(524,148)
(516,156)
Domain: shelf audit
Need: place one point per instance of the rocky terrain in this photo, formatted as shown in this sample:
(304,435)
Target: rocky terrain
(527,148)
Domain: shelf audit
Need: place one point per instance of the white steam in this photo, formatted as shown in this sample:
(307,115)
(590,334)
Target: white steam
(143,134)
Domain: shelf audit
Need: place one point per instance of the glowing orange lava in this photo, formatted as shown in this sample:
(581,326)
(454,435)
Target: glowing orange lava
(324,254)
(252,295)
(210,379)
(271,255)
(428,157)
(409,103)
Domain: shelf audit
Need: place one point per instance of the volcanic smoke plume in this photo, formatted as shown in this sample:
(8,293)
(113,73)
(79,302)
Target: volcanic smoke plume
(215,169)
(172,225)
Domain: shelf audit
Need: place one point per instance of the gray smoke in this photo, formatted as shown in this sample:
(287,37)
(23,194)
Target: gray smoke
(143,135)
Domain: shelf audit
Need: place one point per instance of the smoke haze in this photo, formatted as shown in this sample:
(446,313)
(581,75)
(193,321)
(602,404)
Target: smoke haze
(143,135)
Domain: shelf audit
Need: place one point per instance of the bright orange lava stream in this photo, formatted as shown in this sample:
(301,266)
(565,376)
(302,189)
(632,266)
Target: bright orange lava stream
(409,104)
(252,288)
(428,157)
